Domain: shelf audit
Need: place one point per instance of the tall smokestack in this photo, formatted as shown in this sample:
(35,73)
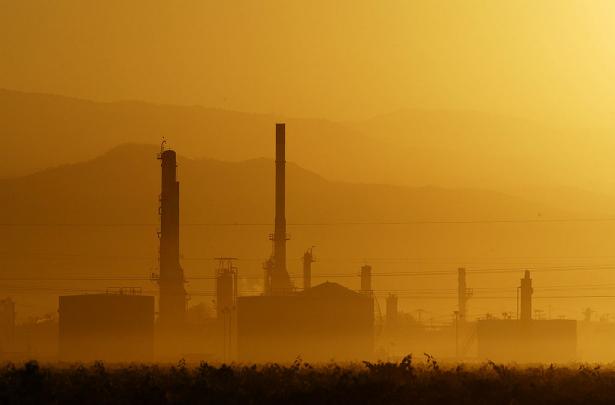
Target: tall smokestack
(172,305)
(278,279)
(280,198)
(526,297)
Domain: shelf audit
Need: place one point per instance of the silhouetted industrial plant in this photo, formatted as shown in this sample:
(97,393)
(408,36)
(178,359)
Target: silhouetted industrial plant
(283,321)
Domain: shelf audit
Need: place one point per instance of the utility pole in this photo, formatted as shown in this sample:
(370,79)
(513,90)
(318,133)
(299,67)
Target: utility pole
(463,294)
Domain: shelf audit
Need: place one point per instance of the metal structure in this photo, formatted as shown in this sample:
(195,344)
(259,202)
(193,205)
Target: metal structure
(391,309)
(526,297)
(172,304)
(463,294)
(226,302)
(308,259)
(277,280)
(226,285)
(366,279)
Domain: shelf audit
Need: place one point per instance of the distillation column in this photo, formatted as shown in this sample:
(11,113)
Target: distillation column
(172,304)
(526,297)
(308,259)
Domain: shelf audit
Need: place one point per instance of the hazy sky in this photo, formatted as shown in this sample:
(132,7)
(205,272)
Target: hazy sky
(337,59)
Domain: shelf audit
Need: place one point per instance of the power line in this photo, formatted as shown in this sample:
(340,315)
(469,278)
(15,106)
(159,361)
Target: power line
(426,273)
(338,223)
(353,260)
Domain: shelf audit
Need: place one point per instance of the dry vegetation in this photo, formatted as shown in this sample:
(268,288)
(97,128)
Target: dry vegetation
(404,382)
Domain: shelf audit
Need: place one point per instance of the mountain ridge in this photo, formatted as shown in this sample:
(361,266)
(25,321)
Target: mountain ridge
(416,148)
(97,218)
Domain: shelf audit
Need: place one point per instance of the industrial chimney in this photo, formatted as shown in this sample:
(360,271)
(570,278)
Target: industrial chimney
(366,279)
(308,259)
(526,297)
(172,305)
(277,280)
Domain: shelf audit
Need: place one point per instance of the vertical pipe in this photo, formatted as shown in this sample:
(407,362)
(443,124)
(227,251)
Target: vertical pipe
(308,258)
(280,198)
(391,309)
(277,280)
(526,297)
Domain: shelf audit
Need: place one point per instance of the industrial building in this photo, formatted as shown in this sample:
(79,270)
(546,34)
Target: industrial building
(316,322)
(553,340)
(525,339)
(116,326)
(324,322)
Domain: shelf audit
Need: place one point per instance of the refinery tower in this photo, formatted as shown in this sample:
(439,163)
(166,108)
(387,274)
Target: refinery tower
(172,304)
(277,280)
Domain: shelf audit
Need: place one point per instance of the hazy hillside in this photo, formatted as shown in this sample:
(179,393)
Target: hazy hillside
(121,186)
(417,148)
(40,131)
(96,219)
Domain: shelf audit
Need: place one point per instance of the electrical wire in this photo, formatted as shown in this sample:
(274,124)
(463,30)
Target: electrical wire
(327,224)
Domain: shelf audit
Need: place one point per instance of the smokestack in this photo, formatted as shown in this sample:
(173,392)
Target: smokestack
(366,279)
(526,297)
(308,259)
(277,280)
(280,198)
(172,304)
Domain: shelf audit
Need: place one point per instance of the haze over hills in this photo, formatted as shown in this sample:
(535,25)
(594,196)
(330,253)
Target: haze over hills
(97,219)
(447,166)
(217,191)
(417,148)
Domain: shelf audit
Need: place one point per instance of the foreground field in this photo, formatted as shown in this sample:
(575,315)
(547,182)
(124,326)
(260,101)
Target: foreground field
(302,383)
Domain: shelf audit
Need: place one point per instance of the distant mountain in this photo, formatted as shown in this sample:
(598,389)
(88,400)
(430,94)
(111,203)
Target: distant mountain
(463,149)
(40,131)
(93,214)
(98,218)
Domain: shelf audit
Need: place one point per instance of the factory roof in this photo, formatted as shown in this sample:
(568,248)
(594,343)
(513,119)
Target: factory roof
(331,290)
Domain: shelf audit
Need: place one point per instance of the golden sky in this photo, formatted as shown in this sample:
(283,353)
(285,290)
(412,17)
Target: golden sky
(548,60)
(551,61)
